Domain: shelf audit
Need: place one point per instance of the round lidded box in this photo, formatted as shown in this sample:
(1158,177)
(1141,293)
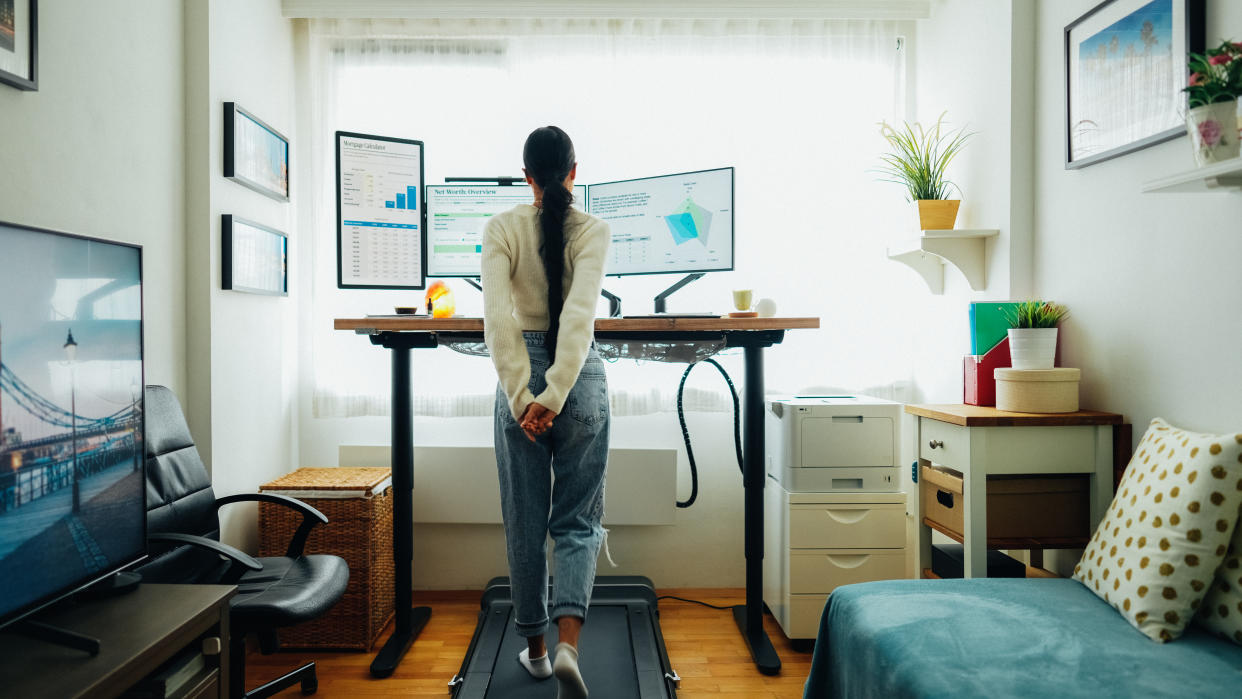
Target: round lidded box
(1037,390)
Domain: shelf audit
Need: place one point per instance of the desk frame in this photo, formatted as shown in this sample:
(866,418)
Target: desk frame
(752,335)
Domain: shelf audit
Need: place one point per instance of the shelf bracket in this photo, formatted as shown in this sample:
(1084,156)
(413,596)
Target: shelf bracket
(965,250)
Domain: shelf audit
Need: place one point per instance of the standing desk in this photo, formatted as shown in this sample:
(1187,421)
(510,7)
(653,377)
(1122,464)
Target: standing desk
(401,334)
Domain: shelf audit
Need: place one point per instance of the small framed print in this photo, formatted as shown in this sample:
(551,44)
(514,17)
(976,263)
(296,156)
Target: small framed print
(254,258)
(255,154)
(19,43)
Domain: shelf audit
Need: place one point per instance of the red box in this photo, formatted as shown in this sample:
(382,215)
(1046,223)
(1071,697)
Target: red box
(979,374)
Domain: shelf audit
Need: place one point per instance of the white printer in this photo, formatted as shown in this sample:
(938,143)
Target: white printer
(833,444)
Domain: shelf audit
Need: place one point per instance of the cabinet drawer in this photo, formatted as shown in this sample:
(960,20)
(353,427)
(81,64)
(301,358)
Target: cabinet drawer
(952,443)
(873,526)
(821,572)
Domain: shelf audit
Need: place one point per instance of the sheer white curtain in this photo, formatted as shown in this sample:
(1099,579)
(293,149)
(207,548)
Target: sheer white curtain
(792,105)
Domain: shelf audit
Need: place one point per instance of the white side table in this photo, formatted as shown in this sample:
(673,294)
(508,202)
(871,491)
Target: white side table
(981,441)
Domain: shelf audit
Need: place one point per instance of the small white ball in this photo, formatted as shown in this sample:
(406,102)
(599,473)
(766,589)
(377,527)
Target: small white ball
(766,308)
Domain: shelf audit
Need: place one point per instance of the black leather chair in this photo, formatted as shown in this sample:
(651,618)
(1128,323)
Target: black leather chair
(183,529)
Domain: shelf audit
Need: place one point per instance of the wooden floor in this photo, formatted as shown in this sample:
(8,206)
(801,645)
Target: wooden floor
(704,646)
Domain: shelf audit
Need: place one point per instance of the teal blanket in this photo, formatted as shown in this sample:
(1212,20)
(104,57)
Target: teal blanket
(1004,638)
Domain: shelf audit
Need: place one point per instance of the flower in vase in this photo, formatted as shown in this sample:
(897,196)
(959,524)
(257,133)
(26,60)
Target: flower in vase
(1210,132)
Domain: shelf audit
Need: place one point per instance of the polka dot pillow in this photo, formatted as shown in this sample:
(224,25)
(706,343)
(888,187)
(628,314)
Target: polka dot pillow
(1222,608)
(1154,555)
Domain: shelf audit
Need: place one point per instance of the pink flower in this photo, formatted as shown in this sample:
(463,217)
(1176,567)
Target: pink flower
(1220,59)
(1237,44)
(1196,79)
(1209,132)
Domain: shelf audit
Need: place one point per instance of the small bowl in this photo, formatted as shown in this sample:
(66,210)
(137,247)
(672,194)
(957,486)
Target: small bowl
(406,310)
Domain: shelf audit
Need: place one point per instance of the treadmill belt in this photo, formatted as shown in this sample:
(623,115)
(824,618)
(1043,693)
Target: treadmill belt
(606,661)
(622,649)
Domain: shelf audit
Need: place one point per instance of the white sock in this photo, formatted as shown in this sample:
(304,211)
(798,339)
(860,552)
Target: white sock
(539,668)
(569,680)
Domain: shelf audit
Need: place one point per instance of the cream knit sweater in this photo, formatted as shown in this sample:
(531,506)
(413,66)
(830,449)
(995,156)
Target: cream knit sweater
(515,298)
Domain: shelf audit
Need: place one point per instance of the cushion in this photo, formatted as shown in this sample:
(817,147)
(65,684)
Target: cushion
(1221,612)
(1167,530)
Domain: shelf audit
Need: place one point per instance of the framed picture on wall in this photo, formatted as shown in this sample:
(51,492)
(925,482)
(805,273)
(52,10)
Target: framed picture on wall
(1125,67)
(19,45)
(254,258)
(255,154)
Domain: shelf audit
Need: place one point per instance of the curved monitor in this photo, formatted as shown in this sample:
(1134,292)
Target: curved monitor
(671,223)
(72,489)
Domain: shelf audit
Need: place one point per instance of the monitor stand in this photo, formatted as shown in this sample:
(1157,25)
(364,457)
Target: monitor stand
(614,303)
(474,281)
(659,300)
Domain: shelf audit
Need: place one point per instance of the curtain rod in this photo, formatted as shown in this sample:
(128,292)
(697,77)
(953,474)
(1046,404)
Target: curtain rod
(597,9)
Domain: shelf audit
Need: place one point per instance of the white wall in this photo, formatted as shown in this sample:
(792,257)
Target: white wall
(242,358)
(970,58)
(97,149)
(1152,280)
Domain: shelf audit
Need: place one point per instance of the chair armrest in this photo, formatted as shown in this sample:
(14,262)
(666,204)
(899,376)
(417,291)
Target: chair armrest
(240,560)
(310,516)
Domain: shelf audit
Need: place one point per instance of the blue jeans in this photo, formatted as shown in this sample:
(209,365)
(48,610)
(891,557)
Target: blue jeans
(575,450)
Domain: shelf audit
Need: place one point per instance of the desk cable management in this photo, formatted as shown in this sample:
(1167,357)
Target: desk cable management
(685,432)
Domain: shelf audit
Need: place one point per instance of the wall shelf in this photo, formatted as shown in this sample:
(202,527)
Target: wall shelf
(1213,178)
(964,249)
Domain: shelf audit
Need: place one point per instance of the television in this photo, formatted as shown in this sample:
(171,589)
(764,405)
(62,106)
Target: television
(72,488)
(680,223)
(456,215)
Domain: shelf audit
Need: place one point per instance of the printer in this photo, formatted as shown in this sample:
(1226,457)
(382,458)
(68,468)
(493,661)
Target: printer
(833,444)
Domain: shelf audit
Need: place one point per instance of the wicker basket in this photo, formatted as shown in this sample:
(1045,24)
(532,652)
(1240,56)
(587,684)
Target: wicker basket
(358,504)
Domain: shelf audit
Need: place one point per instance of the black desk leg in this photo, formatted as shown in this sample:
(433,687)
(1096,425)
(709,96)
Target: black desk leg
(409,620)
(749,617)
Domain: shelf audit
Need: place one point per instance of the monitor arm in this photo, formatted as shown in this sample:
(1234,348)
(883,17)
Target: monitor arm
(614,303)
(659,299)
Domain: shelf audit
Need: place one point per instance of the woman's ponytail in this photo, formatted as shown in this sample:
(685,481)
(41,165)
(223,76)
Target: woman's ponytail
(549,157)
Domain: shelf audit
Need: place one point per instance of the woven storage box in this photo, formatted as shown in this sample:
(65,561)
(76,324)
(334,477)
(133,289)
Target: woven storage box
(1037,390)
(358,504)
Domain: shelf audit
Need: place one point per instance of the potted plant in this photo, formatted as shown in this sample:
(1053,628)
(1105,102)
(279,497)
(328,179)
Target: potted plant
(917,161)
(1212,96)
(1033,333)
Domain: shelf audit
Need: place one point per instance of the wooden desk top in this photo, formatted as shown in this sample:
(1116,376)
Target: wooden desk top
(655,324)
(987,416)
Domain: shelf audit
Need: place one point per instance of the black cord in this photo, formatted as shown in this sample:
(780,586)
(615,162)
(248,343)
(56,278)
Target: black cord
(692,601)
(685,432)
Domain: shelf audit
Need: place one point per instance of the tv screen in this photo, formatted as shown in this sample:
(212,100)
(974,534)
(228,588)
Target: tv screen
(72,492)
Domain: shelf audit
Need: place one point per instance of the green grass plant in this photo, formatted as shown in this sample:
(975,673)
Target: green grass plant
(919,158)
(1036,314)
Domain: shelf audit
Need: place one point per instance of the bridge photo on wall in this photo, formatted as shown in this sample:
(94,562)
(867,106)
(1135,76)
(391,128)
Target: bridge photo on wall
(71,387)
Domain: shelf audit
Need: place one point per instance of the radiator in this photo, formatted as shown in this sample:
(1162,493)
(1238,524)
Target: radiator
(458,485)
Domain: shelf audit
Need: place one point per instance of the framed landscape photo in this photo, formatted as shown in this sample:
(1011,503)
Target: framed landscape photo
(254,259)
(19,45)
(255,154)
(1125,67)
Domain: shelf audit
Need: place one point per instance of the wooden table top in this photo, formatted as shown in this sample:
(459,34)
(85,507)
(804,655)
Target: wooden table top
(645,324)
(988,416)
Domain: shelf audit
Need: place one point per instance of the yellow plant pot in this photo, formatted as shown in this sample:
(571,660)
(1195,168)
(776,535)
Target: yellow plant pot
(937,214)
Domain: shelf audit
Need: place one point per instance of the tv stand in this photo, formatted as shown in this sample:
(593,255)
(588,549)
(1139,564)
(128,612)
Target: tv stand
(659,300)
(47,633)
(137,633)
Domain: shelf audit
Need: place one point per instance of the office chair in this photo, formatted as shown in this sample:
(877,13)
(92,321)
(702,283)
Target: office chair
(183,529)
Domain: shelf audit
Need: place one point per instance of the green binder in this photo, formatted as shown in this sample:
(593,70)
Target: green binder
(988,325)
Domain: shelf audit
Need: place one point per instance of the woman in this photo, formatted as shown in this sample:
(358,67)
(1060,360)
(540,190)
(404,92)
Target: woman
(543,265)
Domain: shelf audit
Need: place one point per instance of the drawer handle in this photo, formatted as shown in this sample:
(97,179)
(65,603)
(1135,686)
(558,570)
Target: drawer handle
(945,498)
(852,561)
(936,443)
(850,516)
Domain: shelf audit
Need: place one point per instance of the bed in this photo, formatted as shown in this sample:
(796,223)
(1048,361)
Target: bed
(996,637)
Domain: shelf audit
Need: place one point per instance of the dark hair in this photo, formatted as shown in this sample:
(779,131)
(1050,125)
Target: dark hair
(549,156)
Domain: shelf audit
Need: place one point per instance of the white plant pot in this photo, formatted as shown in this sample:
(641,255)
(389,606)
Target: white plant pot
(1032,348)
(1213,132)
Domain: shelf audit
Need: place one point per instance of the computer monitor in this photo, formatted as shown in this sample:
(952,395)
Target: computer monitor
(680,223)
(456,215)
(72,490)
(380,227)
